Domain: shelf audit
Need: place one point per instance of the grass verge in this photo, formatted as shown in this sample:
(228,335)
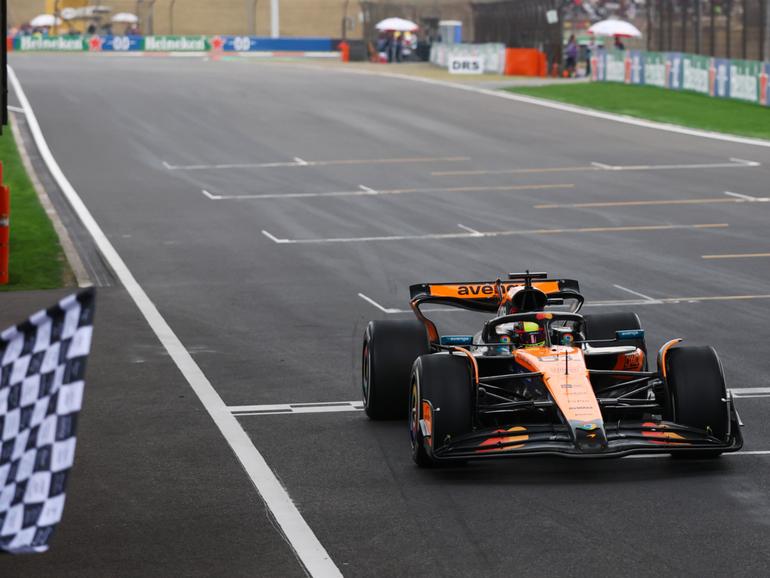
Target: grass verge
(36,258)
(653,103)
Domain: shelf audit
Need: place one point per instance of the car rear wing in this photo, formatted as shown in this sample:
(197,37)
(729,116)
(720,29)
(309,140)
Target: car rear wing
(486,296)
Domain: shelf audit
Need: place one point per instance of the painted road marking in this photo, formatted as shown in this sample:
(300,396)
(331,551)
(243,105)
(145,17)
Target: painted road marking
(348,406)
(377,305)
(748,198)
(473,232)
(298,162)
(483,234)
(642,295)
(364,191)
(736,256)
(296,408)
(605,303)
(645,203)
(310,552)
(594,166)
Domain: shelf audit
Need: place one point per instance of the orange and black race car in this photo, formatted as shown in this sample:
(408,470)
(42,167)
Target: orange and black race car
(539,378)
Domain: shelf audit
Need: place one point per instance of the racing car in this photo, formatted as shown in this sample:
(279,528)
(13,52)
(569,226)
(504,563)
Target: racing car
(539,378)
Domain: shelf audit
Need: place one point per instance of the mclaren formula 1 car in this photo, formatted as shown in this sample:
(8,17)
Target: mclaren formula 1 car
(539,378)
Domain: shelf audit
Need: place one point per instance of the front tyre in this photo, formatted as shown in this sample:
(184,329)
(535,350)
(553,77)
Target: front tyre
(442,393)
(697,393)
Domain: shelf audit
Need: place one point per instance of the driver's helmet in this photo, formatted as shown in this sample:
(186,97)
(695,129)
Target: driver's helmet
(529,334)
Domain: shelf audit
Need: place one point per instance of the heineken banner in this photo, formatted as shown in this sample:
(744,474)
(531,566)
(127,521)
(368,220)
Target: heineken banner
(745,80)
(168,44)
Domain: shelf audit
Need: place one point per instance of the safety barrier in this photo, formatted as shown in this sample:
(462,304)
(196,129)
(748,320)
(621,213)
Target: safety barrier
(217,43)
(5,229)
(497,59)
(493,55)
(745,80)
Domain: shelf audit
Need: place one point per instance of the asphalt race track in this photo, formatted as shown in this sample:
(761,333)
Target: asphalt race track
(271,210)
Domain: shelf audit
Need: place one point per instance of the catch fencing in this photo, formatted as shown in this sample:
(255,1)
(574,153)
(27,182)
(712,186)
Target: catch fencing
(718,28)
(745,80)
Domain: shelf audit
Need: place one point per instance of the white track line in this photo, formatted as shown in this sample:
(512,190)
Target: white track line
(571,108)
(16,109)
(309,550)
(364,191)
(642,295)
(483,234)
(298,162)
(748,198)
(297,408)
(473,232)
(210,196)
(377,305)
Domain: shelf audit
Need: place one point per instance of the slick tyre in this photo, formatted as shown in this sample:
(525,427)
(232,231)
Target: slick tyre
(696,390)
(389,350)
(444,384)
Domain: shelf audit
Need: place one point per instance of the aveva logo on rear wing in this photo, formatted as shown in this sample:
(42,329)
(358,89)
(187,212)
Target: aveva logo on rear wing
(487,289)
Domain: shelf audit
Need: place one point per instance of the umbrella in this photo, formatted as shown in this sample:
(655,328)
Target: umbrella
(397,24)
(125,17)
(615,28)
(44,21)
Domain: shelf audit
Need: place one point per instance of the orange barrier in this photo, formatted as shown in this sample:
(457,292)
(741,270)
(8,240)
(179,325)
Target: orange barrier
(345,50)
(525,62)
(5,229)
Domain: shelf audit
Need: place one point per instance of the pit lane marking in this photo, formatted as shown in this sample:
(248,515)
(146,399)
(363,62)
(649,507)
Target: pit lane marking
(298,162)
(508,233)
(642,295)
(736,256)
(364,191)
(596,166)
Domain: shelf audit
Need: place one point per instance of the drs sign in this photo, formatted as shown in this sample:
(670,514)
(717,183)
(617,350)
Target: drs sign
(466,65)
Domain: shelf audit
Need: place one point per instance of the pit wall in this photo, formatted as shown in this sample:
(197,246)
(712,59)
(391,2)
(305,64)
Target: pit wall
(745,80)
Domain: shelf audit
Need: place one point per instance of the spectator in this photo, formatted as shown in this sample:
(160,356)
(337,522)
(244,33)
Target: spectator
(572,53)
(619,44)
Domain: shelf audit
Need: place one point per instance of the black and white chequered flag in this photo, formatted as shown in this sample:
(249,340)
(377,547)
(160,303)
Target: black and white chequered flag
(42,368)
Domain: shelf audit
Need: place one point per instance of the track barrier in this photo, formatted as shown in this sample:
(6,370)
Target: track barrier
(745,80)
(5,229)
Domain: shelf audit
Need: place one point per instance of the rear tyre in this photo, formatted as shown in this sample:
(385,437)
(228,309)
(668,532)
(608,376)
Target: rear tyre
(696,390)
(390,348)
(445,383)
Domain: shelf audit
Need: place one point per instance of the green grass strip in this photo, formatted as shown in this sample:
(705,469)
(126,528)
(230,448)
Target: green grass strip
(683,108)
(36,258)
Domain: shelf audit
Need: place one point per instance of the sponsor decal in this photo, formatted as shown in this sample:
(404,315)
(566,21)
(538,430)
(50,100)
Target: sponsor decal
(175,44)
(51,43)
(655,69)
(695,73)
(744,80)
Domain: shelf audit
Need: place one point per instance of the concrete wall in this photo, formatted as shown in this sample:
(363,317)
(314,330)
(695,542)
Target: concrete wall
(298,17)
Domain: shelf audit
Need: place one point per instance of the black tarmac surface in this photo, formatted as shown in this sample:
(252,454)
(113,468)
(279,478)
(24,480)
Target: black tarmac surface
(156,490)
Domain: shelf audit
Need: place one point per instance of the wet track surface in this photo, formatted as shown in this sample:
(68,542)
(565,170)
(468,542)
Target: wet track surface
(271,210)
